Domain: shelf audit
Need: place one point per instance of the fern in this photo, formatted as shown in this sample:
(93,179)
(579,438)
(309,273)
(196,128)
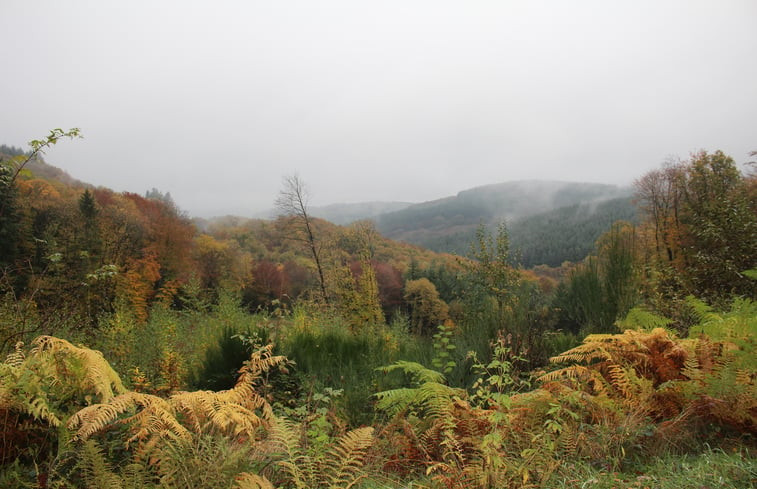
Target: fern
(95,470)
(339,467)
(417,372)
(92,470)
(638,318)
(347,457)
(230,412)
(252,481)
(450,430)
(42,382)
(430,396)
(98,375)
(17,356)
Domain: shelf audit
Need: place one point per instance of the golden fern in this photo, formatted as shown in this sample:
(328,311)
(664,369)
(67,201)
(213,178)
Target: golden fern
(339,467)
(580,373)
(154,417)
(184,414)
(634,349)
(17,356)
(98,375)
(251,481)
(345,460)
(43,382)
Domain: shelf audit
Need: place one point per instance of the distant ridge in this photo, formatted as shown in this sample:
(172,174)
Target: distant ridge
(449,224)
(41,169)
(491,203)
(347,213)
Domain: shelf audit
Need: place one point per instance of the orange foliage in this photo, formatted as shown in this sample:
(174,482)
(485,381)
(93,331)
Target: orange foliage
(138,284)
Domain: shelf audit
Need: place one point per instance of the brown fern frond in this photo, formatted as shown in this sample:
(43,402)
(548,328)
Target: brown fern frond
(619,379)
(692,369)
(570,440)
(572,372)
(584,353)
(246,480)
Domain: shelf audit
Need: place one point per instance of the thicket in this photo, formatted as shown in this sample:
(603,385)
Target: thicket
(142,352)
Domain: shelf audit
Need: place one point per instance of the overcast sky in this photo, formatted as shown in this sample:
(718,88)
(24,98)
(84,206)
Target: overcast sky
(405,100)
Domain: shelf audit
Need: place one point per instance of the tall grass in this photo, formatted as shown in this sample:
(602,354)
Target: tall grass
(328,353)
(713,468)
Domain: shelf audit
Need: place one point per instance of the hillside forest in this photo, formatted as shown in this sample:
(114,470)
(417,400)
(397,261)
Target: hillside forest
(144,349)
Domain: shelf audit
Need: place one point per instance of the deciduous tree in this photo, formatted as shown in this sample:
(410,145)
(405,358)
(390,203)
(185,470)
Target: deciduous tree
(292,204)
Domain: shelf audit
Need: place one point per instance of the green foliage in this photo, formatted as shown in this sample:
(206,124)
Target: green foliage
(443,348)
(223,360)
(702,219)
(499,301)
(449,225)
(328,354)
(567,233)
(498,377)
(11,214)
(491,266)
(88,467)
(711,468)
(428,396)
(604,287)
(427,310)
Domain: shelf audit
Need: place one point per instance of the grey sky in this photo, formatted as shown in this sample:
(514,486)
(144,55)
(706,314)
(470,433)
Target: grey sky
(380,100)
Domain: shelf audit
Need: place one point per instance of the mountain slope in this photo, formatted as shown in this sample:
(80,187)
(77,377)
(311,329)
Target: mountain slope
(567,233)
(449,224)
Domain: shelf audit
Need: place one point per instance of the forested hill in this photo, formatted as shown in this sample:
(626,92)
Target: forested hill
(449,224)
(567,233)
(40,168)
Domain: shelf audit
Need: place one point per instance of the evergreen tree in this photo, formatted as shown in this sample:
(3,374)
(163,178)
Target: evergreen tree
(10,218)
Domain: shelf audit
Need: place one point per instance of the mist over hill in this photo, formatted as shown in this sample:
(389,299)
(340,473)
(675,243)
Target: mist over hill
(549,222)
(449,224)
(567,233)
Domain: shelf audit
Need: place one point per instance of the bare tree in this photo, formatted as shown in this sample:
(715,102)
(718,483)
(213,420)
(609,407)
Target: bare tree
(658,194)
(292,203)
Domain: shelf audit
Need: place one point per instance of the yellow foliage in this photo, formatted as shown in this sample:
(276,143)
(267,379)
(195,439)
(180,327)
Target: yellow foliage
(184,414)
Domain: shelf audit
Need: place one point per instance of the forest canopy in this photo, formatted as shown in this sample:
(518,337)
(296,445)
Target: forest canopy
(147,349)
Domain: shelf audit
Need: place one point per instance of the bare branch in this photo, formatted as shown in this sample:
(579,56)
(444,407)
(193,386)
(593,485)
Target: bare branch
(293,203)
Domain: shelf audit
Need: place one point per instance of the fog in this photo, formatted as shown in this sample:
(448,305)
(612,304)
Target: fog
(374,101)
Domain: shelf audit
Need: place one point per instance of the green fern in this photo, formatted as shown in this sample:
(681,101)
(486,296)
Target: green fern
(91,470)
(429,396)
(638,318)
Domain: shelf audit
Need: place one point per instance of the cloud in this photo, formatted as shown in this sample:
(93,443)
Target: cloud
(375,100)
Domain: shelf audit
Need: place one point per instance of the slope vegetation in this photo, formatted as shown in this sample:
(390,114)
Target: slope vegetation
(449,224)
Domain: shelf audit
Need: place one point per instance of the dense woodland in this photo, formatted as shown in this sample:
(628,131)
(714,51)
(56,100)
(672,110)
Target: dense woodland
(548,222)
(145,349)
